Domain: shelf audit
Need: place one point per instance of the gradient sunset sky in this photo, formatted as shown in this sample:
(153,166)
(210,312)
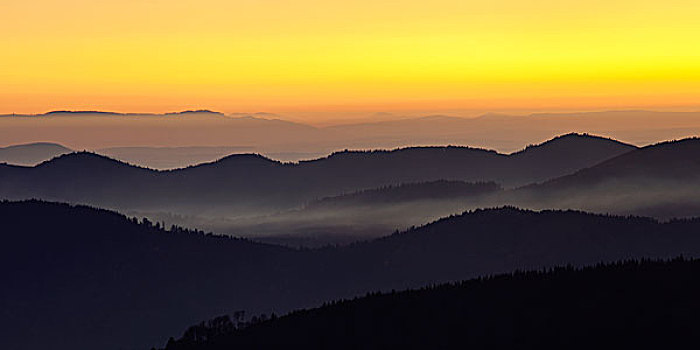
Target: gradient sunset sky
(313,55)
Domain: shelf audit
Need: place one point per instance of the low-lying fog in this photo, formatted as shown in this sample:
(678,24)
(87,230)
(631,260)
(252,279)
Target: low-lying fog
(332,223)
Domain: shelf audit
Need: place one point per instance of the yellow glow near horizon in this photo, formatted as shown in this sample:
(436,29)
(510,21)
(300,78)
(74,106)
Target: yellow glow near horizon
(159,55)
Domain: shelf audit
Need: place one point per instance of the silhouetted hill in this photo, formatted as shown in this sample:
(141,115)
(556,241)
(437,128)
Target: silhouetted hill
(81,177)
(68,113)
(667,160)
(407,192)
(416,164)
(640,305)
(74,277)
(31,153)
(193,112)
(78,113)
(661,180)
(164,158)
(566,154)
(250,184)
(93,161)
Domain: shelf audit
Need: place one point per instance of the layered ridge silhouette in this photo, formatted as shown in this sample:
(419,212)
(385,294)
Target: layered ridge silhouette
(249,182)
(76,276)
(318,202)
(662,180)
(270,134)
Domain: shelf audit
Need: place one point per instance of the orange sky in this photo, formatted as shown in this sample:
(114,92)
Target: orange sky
(313,55)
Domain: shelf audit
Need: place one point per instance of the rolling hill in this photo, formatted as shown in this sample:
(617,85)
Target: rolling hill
(318,202)
(245,184)
(164,158)
(661,180)
(73,277)
(647,304)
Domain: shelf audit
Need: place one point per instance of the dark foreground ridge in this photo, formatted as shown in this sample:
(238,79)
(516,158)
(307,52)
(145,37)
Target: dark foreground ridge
(75,277)
(624,305)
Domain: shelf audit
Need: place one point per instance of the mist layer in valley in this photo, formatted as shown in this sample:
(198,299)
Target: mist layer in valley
(86,278)
(377,220)
(346,196)
(660,181)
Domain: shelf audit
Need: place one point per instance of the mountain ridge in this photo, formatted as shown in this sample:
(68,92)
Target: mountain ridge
(137,278)
(254,184)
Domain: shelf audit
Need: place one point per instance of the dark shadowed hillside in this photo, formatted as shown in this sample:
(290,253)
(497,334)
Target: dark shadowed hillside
(81,178)
(75,276)
(641,305)
(566,154)
(661,180)
(469,164)
(32,153)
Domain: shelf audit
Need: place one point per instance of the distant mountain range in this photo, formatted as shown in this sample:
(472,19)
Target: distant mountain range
(251,184)
(268,133)
(92,130)
(641,305)
(104,113)
(31,154)
(320,201)
(163,158)
(76,277)
(508,133)
(659,180)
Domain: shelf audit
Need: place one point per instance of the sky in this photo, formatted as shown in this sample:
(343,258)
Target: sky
(338,56)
